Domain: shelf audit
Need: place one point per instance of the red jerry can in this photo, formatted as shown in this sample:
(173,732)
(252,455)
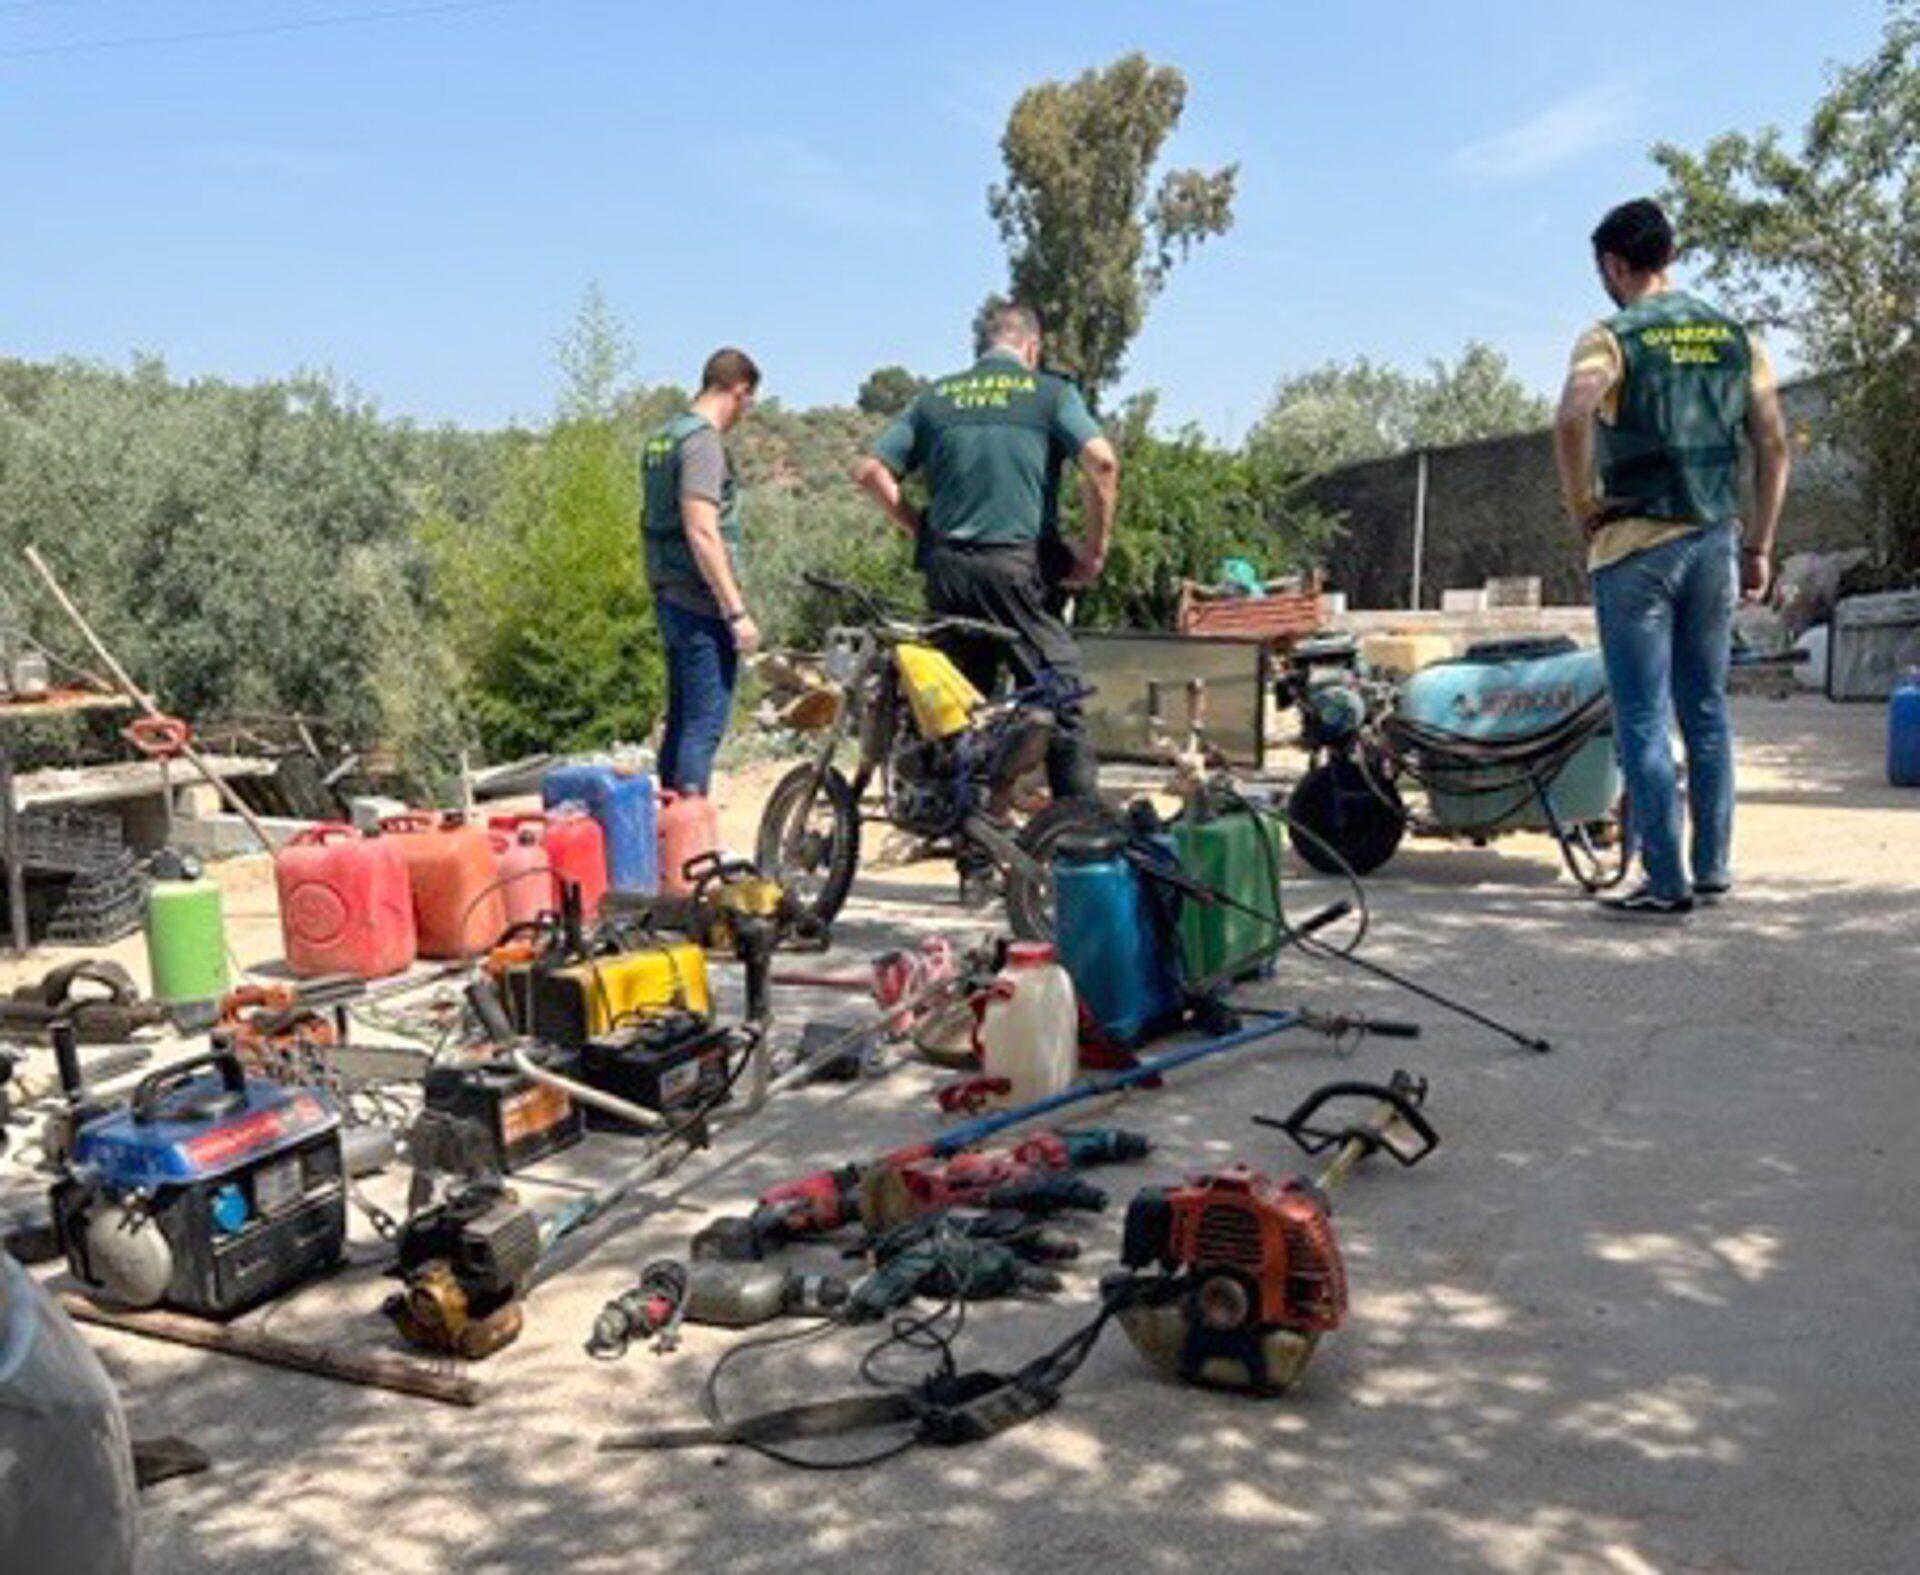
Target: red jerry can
(345,904)
(688,828)
(577,850)
(524,870)
(457,906)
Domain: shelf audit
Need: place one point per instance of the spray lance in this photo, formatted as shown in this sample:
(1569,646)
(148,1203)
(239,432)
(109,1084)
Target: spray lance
(1302,935)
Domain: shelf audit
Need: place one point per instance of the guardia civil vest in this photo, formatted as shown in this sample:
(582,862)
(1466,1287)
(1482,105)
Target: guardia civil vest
(670,560)
(1673,452)
(992,460)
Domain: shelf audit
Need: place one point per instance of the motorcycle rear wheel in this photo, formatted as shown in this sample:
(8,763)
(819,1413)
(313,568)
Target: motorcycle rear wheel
(1030,901)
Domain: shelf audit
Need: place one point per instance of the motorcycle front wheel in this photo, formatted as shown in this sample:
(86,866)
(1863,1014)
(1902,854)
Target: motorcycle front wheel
(812,854)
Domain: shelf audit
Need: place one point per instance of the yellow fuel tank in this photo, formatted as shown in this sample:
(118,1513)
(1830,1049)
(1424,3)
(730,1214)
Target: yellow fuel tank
(942,698)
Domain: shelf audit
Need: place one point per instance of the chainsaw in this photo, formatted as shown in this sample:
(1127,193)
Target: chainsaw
(1230,1279)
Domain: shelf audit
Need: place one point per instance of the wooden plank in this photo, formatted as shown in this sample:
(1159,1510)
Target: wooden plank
(58,702)
(121,780)
(374,1369)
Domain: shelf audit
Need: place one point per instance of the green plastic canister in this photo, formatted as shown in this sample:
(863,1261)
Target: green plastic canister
(186,936)
(1239,855)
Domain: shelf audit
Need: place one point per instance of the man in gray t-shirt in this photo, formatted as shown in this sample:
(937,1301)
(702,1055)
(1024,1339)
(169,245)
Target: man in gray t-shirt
(691,527)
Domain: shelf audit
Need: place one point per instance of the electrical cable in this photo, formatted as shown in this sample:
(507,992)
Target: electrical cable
(913,1331)
(253,29)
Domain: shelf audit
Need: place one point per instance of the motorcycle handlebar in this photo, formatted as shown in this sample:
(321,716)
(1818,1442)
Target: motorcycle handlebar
(946,623)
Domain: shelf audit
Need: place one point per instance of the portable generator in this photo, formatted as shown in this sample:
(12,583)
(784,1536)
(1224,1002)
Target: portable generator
(672,1063)
(1231,1278)
(210,1191)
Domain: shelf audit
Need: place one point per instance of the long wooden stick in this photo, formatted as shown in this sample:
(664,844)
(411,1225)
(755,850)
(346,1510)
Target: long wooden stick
(375,1369)
(140,698)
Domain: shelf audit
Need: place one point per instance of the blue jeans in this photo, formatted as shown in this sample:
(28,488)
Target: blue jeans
(1666,631)
(702,665)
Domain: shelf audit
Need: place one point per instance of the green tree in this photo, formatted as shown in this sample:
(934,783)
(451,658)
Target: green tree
(1342,414)
(1185,505)
(1090,240)
(238,548)
(1477,397)
(544,597)
(888,390)
(594,357)
(1338,415)
(1818,238)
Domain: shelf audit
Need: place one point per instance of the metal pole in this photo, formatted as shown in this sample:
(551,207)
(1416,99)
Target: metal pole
(1419,524)
(10,852)
(140,698)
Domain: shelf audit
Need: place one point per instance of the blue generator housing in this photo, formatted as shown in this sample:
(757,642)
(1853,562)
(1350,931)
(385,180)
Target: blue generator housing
(209,1191)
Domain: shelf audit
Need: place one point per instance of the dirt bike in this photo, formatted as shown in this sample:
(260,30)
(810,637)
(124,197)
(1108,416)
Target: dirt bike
(946,760)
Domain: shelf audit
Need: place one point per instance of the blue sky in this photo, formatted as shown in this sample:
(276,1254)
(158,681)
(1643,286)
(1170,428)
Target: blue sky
(416,196)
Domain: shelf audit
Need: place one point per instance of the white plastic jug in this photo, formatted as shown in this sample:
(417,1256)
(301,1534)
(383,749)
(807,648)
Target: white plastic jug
(1028,1028)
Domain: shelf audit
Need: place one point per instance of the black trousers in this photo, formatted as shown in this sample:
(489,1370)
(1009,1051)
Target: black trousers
(1003,585)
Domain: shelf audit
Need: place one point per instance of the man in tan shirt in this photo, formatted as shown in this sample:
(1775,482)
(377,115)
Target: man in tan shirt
(1656,401)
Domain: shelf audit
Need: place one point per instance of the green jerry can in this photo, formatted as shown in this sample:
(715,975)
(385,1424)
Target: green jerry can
(186,940)
(1238,853)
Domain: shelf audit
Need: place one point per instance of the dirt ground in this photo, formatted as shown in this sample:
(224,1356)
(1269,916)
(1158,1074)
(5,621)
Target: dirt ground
(1649,1307)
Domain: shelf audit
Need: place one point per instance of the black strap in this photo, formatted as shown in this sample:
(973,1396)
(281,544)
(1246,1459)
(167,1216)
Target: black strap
(815,1419)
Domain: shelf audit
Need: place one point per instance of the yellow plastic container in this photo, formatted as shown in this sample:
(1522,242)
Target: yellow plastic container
(1403,655)
(941,697)
(568,1006)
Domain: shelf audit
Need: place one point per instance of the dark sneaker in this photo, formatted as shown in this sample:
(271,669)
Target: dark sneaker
(1644,903)
(1709,893)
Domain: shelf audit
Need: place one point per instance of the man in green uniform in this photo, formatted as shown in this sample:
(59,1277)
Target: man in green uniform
(692,534)
(991,442)
(1660,394)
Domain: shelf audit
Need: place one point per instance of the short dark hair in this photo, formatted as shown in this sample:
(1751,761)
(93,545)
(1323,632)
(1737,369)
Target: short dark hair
(1001,320)
(726,370)
(1638,233)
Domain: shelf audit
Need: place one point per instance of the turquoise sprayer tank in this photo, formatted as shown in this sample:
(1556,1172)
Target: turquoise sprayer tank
(1505,694)
(1120,953)
(623,802)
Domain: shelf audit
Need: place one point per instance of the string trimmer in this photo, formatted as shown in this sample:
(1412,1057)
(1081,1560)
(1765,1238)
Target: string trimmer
(1231,1278)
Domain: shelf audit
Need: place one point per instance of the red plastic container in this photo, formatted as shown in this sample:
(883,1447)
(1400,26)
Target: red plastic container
(577,850)
(523,868)
(458,909)
(346,905)
(688,827)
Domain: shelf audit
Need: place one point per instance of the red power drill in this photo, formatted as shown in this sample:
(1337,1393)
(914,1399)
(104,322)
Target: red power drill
(811,1206)
(819,1204)
(894,1193)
